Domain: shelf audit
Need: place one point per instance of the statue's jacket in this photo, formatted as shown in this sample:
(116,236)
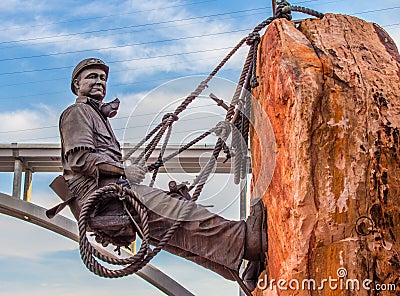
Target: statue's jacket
(88,143)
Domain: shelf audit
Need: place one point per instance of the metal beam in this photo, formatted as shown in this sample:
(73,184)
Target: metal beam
(46,158)
(28,185)
(243,192)
(273,7)
(34,214)
(16,192)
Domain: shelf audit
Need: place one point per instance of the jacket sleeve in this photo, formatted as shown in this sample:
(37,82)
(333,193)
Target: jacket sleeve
(79,144)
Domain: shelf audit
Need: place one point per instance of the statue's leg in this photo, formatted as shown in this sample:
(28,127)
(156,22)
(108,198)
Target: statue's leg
(203,237)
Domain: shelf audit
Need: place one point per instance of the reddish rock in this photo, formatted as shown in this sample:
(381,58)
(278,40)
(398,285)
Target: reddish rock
(331,89)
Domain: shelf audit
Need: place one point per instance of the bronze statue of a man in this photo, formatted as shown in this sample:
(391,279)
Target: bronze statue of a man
(91,158)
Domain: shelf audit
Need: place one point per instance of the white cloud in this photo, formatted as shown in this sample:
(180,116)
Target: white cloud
(22,239)
(21,5)
(130,70)
(30,125)
(140,112)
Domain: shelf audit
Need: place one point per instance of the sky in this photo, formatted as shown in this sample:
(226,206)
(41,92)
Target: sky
(157,52)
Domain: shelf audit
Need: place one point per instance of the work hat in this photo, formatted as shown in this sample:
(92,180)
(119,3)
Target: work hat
(86,63)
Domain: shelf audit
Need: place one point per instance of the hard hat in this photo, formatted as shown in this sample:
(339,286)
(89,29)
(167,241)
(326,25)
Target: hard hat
(86,63)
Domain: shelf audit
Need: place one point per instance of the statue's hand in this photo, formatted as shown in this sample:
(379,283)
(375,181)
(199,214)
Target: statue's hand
(135,173)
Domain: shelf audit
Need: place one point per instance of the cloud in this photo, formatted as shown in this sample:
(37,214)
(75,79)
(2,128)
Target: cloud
(193,63)
(10,6)
(136,58)
(63,273)
(38,124)
(25,240)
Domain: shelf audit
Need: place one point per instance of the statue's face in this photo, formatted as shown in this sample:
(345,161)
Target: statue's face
(91,82)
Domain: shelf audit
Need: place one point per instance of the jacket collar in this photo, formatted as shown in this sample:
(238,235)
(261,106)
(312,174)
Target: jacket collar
(86,100)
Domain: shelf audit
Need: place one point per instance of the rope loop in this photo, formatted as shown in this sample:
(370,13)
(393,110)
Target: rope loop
(254,47)
(283,10)
(252,38)
(222,129)
(168,115)
(89,253)
(303,10)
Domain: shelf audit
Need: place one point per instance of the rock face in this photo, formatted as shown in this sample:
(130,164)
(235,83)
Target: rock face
(331,89)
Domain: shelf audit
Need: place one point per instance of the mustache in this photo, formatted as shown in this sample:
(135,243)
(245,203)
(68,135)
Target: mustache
(98,87)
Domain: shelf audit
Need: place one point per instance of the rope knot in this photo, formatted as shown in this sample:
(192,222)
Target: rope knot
(252,38)
(168,115)
(254,82)
(283,10)
(203,84)
(223,129)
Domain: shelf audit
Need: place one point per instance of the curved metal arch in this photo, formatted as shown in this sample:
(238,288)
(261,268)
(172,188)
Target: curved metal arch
(59,224)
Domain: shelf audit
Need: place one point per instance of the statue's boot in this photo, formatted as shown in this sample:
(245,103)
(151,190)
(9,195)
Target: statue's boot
(252,272)
(255,244)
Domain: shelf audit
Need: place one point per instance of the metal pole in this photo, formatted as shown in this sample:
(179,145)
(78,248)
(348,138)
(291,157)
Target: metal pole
(28,185)
(17,178)
(243,193)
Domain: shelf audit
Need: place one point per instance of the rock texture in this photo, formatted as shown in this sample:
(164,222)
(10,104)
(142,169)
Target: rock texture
(331,89)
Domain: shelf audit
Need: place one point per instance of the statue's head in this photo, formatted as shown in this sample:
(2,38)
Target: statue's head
(89,78)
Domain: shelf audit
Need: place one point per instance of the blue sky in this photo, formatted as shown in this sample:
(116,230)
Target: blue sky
(146,44)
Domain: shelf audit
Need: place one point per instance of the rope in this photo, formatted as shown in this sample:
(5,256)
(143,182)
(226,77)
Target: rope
(89,253)
(254,46)
(167,120)
(238,90)
(160,156)
(208,168)
(303,10)
(144,140)
(237,137)
(143,256)
(160,163)
(221,130)
(204,83)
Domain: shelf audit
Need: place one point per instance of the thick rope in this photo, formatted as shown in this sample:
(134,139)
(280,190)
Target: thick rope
(237,135)
(204,83)
(253,81)
(168,119)
(204,174)
(144,255)
(303,10)
(144,140)
(160,163)
(161,155)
